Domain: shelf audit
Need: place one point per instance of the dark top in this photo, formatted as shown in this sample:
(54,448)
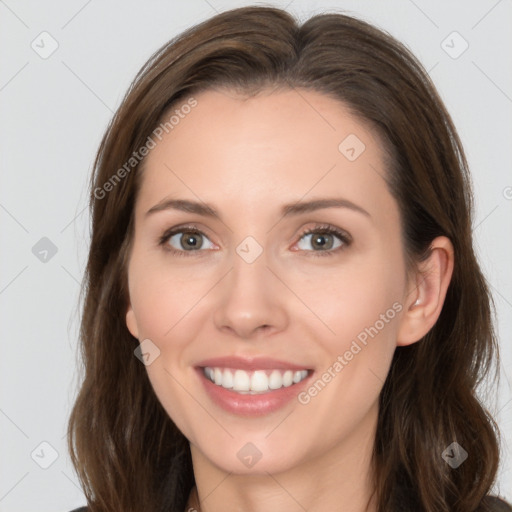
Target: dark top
(496,504)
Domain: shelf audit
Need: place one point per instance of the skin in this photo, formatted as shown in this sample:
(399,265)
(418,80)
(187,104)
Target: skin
(248,157)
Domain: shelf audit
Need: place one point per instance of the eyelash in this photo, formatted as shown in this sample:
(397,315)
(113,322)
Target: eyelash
(322,229)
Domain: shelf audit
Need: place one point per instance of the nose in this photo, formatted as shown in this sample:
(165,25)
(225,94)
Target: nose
(251,300)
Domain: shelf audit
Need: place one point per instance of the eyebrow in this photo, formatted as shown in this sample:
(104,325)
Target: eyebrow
(297,208)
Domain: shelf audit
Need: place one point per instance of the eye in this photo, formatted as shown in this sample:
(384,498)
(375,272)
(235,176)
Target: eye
(324,238)
(183,240)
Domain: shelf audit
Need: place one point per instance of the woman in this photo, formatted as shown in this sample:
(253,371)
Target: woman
(283,307)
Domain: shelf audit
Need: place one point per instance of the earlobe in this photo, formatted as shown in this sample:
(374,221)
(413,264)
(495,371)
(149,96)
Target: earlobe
(425,299)
(131,322)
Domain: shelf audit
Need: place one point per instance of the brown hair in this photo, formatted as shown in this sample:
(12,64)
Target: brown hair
(128,453)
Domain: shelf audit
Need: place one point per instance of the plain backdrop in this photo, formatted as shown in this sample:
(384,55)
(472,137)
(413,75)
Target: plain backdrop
(54,110)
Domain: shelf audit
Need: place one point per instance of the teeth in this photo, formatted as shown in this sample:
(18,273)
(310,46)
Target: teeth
(259,381)
(241,381)
(275,380)
(227,379)
(288,379)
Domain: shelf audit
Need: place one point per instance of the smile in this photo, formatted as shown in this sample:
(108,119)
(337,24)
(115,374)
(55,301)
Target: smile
(253,382)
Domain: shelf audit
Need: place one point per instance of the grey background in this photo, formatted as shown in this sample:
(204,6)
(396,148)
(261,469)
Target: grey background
(53,113)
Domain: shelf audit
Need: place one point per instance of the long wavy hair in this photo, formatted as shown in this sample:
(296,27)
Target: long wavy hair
(127,452)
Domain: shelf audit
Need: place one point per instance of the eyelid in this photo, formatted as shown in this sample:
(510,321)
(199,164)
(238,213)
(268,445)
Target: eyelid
(329,229)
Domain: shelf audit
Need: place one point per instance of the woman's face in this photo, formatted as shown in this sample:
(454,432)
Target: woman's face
(298,330)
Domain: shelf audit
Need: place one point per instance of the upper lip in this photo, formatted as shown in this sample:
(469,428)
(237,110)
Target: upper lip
(250,363)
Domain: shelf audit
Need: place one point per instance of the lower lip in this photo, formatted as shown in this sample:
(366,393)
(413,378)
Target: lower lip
(251,405)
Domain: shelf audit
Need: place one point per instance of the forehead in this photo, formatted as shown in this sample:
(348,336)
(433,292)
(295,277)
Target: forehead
(263,149)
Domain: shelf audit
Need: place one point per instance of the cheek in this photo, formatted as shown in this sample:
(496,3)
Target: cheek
(166,306)
(162,298)
(355,299)
(362,309)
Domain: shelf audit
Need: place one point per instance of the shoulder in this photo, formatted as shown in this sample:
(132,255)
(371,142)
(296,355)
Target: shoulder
(497,504)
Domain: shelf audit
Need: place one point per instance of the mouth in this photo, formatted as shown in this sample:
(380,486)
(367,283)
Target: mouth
(252,387)
(253,382)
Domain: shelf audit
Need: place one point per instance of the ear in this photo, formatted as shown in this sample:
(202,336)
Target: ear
(131,322)
(427,291)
